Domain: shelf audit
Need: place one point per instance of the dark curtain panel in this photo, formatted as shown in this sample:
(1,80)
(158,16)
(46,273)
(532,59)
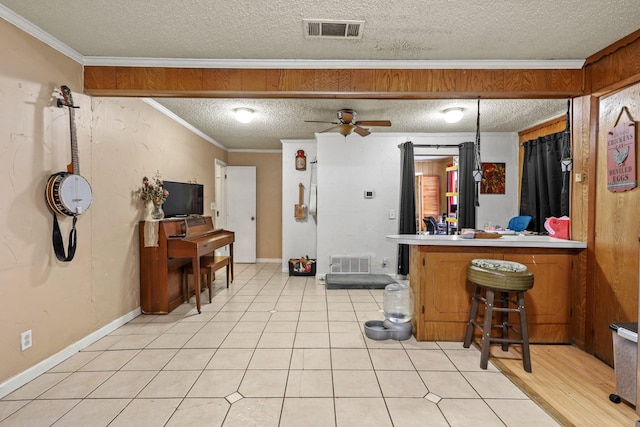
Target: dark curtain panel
(467,187)
(407,216)
(542,194)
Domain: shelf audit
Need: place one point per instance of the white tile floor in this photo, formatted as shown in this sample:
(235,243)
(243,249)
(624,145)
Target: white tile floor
(271,350)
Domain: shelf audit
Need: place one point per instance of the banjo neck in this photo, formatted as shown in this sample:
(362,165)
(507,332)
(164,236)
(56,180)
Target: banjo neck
(74,166)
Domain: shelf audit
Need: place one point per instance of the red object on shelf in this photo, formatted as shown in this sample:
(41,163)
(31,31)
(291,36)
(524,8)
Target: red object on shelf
(558,227)
(301,160)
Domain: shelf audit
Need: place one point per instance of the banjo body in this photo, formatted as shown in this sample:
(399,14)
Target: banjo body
(68,194)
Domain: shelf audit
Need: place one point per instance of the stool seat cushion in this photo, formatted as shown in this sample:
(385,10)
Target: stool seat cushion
(500,279)
(498,264)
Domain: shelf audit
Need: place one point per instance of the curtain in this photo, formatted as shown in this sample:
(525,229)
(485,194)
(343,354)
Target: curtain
(544,190)
(407,216)
(467,187)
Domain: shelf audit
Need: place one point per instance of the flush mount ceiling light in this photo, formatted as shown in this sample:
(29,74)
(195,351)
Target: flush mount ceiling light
(244,115)
(453,115)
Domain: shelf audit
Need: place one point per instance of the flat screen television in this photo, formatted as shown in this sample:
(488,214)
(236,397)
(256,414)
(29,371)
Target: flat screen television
(184,199)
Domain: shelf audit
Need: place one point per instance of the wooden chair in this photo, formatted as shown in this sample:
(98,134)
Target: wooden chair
(208,267)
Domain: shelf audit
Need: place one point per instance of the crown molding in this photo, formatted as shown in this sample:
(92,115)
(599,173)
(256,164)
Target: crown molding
(37,32)
(164,110)
(332,63)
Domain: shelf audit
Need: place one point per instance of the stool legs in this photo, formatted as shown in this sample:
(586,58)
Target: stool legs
(472,317)
(524,332)
(486,329)
(499,303)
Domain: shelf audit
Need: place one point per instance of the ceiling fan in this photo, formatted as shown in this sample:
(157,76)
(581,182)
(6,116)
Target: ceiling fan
(346,123)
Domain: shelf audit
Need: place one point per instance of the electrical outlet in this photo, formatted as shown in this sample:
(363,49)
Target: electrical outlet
(26,340)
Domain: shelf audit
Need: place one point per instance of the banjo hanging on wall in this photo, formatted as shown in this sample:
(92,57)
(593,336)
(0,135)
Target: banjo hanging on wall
(68,193)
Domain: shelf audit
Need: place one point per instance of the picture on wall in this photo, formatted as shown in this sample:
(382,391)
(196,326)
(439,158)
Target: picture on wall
(492,178)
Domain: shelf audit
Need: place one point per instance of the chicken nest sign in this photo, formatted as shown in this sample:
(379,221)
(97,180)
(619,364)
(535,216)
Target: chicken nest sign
(621,157)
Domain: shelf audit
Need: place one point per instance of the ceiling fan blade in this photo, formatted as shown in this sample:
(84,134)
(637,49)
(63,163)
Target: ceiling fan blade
(361,131)
(373,123)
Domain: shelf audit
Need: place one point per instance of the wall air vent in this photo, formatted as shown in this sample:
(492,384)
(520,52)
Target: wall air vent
(345,264)
(333,29)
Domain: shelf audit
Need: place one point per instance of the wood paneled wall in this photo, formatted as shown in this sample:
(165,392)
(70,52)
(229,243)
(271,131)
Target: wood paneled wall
(436,167)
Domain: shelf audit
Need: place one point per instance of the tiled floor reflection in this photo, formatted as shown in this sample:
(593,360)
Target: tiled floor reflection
(271,350)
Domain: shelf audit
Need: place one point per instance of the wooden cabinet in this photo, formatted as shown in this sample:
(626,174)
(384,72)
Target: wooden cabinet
(443,295)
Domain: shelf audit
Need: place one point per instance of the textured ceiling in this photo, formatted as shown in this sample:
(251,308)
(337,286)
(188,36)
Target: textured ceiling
(404,30)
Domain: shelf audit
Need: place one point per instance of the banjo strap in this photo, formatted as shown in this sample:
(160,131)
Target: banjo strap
(58,244)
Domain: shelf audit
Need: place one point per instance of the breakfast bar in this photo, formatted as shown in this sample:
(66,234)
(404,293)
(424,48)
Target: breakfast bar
(442,294)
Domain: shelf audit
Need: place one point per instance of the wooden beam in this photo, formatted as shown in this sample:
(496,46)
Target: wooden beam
(331,83)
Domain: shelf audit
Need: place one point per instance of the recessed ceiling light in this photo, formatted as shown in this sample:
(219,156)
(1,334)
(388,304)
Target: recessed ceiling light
(453,115)
(244,115)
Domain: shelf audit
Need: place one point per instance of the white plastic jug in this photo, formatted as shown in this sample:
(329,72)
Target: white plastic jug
(397,303)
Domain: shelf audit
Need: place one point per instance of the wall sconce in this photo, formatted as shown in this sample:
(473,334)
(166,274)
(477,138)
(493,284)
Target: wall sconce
(244,115)
(453,115)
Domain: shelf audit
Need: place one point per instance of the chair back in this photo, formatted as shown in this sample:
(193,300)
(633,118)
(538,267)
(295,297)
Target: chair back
(519,223)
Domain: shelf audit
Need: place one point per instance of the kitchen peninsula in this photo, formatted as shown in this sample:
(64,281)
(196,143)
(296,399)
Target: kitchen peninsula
(442,294)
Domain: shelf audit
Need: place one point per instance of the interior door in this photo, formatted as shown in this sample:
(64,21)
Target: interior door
(241,211)
(220,211)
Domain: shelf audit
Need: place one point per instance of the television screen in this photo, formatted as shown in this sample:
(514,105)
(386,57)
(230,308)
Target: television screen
(184,199)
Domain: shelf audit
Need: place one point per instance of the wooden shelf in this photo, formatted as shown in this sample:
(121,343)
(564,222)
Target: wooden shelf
(452,168)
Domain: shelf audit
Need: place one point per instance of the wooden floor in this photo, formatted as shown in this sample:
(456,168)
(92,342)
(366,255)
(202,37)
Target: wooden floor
(571,385)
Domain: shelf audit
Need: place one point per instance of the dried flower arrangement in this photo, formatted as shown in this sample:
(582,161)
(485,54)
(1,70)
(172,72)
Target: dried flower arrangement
(153,190)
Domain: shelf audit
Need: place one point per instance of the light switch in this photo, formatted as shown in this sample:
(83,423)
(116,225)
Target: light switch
(392,214)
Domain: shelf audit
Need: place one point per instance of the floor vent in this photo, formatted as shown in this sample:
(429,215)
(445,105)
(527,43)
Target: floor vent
(343,264)
(317,28)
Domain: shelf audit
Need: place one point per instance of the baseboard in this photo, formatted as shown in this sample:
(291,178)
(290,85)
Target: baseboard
(24,377)
(269,260)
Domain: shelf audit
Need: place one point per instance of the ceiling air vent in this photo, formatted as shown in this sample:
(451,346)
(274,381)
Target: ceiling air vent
(322,28)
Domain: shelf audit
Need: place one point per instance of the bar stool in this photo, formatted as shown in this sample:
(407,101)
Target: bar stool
(208,266)
(500,280)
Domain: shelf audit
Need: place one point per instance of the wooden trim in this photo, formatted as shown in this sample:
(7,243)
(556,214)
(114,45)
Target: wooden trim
(546,128)
(591,265)
(612,48)
(331,83)
(614,67)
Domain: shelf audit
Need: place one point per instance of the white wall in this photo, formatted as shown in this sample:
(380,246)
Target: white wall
(298,237)
(350,225)
(500,208)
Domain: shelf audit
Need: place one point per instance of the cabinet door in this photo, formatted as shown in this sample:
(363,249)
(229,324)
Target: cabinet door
(549,301)
(447,295)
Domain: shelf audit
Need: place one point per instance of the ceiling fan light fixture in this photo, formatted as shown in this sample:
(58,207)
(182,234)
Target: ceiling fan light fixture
(453,115)
(244,115)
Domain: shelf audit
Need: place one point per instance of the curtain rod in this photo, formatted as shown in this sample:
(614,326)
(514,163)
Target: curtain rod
(433,145)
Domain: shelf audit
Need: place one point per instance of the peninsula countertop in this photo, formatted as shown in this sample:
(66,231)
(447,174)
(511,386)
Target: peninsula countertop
(505,241)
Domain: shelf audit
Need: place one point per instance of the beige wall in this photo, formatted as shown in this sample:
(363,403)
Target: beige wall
(120,141)
(269,200)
